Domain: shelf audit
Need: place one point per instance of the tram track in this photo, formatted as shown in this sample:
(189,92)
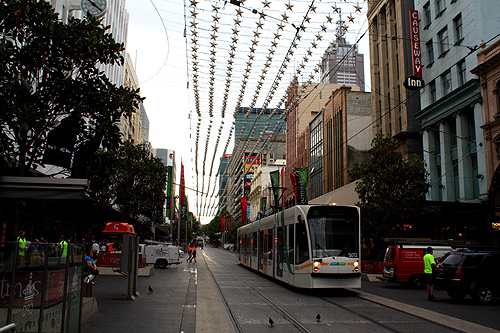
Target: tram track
(296,322)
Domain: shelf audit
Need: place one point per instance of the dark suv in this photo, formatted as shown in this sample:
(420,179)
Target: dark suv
(474,272)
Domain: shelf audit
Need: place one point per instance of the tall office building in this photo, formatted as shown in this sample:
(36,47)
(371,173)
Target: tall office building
(393,106)
(342,64)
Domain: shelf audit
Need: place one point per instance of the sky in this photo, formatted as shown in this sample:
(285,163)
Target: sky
(231,56)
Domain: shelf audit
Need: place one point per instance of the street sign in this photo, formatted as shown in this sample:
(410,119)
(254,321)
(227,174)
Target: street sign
(413,83)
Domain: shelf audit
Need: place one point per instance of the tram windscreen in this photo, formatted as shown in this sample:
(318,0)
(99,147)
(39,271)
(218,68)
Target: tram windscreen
(334,231)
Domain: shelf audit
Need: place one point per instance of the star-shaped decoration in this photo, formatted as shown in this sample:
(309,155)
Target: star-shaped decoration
(254,42)
(309,53)
(274,44)
(358,8)
(239,12)
(234,39)
(216,18)
(318,37)
(316,69)
(302,28)
(298,37)
(336,9)
(260,25)
(256,34)
(215,8)
(193,3)
(289,7)
(284,17)
(312,8)
(262,15)
(299,71)
(277,35)
(194,13)
(237,22)
(329,19)
(350,18)
(194,32)
(281,26)
(323,28)
(266,4)
(235,31)
(193,24)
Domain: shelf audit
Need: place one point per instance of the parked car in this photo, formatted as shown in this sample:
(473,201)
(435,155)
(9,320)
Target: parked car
(472,271)
(404,264)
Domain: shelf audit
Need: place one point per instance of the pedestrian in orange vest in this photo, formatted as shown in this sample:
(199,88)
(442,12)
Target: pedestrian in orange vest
(194,254)
(190,254)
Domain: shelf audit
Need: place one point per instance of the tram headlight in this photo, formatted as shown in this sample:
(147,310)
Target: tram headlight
(356,266)
(317,265)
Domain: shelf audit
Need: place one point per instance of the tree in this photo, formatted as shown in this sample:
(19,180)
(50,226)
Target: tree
(128,178)
(48,76)
(391,189)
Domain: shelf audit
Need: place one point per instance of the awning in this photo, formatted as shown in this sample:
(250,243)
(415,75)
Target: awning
(42,188)
(345,195)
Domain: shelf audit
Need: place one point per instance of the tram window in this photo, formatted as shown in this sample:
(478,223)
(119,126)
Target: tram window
(270,239)
(331,237)
(301,244)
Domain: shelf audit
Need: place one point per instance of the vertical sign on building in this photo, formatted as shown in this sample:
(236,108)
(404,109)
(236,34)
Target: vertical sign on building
(416,52)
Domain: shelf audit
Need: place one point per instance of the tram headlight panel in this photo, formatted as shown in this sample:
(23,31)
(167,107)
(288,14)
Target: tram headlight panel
(356,266)
(317,265)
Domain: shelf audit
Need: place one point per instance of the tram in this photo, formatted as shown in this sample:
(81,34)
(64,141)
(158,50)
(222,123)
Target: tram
(305,246)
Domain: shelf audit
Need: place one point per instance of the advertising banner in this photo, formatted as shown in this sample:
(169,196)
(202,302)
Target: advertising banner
(244,209)
(300,184)
(275,184)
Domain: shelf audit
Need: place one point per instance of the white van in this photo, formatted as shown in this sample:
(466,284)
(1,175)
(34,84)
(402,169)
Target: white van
(160,255)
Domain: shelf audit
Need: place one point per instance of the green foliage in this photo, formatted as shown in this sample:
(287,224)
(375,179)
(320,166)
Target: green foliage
(213,229)
(129,178)
(48,72)
(391,189)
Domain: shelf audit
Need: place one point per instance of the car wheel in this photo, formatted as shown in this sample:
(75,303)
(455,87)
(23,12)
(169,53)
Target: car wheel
(484,294)
(416,281)
(456,295)
(162,263)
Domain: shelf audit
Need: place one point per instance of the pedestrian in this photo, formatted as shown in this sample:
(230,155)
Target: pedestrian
(95,250)
(90,267)
(430,270)
(36,252)
(22,245)
(64,247)
(194,253)
(190,254)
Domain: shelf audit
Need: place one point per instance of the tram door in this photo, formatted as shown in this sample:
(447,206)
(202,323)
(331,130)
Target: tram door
(267,250)
(260,249)
(279,252)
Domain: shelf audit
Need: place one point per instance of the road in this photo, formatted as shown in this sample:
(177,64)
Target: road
(253,299)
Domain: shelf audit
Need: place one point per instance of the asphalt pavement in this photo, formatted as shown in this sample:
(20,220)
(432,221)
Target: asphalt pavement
(186,299)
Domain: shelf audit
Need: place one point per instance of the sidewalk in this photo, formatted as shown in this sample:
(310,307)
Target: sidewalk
(184,299)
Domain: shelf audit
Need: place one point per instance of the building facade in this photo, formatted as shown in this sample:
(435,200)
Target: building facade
(451,113)
(303,104)
(393,106)
(346,140)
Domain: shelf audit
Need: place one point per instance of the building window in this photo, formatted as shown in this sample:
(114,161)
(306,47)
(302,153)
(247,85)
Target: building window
(446,80)
(457,27)
(427,15)
(432,91)
(440,8)
(461,72)
(443,42)
(430,53)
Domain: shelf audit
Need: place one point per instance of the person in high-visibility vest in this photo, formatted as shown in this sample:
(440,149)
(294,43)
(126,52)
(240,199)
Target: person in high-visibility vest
(194,253)
(190,254)
(64,247)
(22,245)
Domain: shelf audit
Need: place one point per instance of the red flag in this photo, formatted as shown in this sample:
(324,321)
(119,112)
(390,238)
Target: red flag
(223,224)
(244,209)
(183,188)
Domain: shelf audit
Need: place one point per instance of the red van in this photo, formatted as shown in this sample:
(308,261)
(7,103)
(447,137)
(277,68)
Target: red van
(404,264)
